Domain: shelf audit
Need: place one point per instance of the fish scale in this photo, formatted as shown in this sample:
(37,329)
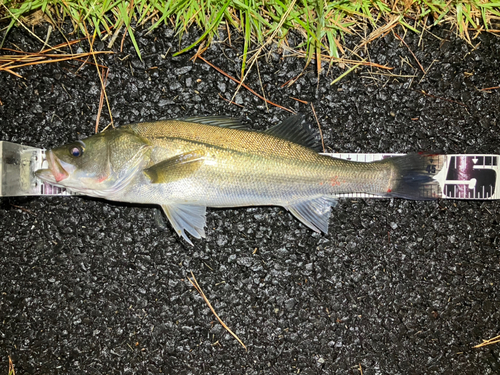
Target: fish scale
(301,163)
(248,141)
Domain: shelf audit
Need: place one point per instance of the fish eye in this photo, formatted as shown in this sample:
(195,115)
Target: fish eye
(76,151)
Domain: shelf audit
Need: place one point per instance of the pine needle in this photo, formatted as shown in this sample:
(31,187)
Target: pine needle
(22,59)
(319,127)
(320,25)
(101,100)
(198,288)
(494,340)
(415,57)
(243,85)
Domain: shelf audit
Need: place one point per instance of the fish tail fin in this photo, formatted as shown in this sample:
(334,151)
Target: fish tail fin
(413,176)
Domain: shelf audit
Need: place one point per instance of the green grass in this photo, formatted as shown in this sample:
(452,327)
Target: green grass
(322,24)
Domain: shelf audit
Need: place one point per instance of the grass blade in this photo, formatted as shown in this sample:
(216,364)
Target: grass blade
(215,24)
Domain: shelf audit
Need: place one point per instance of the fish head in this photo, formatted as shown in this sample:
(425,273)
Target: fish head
(100,165)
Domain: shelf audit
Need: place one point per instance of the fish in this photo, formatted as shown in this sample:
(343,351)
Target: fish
(188,164)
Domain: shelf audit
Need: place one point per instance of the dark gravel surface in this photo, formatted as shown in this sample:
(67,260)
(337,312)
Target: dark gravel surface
(396,287)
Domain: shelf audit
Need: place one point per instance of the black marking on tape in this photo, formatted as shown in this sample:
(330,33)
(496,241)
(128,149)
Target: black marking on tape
(461,168)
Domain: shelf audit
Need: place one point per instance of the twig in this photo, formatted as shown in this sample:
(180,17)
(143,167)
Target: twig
(424,28)
(11,72)
(106,127)
(339,60)
(230,101)
(344,74)
(81,66)
(291,81)
(438,97)
(12,371)
(228,34)
(262,86)
(91,44)
(388,75)
(201,49)
(101,101)
(415,57)
(42,57)
(198,288)
(319,126)
(23,209)
(490,88)
(49,31)
(494,340)
(115,34)
(427,71)
(299,100)
(34,58)
(123,39)
(243,85)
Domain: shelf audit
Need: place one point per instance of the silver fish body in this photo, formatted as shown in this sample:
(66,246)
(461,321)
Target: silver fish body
(189,164)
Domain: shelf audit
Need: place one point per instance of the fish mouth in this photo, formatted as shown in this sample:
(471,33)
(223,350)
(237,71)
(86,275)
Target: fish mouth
(55,173)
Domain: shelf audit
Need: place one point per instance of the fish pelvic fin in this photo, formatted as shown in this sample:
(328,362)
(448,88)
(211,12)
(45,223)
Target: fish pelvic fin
(176,168)
(296,129)
(413,176)
(314,213)
(186,217)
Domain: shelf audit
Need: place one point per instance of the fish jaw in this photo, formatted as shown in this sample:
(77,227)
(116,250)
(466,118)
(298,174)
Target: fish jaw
(57,171)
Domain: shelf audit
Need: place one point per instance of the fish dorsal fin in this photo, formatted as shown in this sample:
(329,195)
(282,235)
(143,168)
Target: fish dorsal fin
(222,121)
(315,213)
(186,217)
(295,129)
(176,168)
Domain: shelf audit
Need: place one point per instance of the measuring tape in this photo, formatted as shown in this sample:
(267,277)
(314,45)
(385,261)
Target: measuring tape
(462,176)
(18,164)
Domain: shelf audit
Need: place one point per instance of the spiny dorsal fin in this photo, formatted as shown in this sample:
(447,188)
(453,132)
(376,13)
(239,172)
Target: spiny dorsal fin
(222,121)
(176,168)
(295,129)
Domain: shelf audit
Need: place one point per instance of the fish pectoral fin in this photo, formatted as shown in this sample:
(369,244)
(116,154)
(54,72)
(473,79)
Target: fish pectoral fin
(314,213)
(221,121)
(176,168)
(186,217)
(295,129)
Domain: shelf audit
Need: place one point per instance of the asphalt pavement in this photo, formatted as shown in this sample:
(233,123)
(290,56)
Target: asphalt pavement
(396,287)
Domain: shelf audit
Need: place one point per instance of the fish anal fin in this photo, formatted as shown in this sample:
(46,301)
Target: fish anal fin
(186,217)
(176,168)
(295,129)
(314,213)
(221,121)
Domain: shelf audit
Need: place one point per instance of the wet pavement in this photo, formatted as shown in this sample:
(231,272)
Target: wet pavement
(396,287)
